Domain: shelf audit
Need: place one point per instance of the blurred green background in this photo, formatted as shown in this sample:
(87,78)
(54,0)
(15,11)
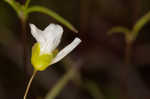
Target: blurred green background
(100,57)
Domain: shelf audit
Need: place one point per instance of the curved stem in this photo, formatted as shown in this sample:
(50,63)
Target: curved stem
(52,14)
(94,90)
(90,86)
(29,84)
(61,84)
(13,5)
(27,3)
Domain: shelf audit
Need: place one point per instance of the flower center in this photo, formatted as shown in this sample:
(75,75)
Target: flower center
(41,62)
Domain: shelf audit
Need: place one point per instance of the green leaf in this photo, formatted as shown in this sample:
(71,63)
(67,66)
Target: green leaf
(52,14)
(140,24)
(119,29)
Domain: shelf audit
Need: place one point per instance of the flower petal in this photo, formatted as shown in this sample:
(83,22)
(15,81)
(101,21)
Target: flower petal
(36,33)
(52,34)
(66,50)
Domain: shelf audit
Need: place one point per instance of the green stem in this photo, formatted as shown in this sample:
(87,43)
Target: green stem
(24,42)
(128,52)
(29,84)
(13,5)
(27,3)
(61,84)
(94,90)
(125,70)
(52,14)
(90,86)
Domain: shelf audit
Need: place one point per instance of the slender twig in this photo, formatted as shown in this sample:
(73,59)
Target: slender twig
(125,70)
(61,83)
(128,52)
(29,84)
(93,90)
(90,86)
(24,42)
(13,5)
(27,3)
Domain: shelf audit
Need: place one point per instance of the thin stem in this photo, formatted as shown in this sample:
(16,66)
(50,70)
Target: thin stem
(27,3)
(93,90)
(61,83)
(13,5)
(29,84)
(128,52)
(52,14)
(90,86)
(125,70)
(24,42)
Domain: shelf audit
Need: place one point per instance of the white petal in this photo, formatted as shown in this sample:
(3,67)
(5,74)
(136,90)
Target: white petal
(52,34)
(36,33)
(66,50)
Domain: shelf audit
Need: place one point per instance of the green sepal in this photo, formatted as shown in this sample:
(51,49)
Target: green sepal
(40,62)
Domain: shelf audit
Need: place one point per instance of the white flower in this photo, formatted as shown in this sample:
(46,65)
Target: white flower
(50,38)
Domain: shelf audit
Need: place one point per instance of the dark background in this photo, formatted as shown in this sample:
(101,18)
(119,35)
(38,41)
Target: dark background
(99,56)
